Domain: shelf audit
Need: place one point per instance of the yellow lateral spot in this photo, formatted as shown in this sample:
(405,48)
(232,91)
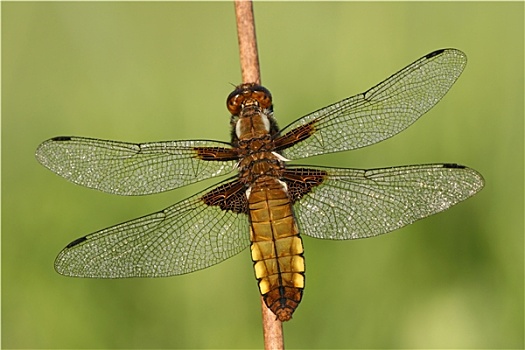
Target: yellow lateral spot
(260,269)
(264,286)
(298,263)
(262,250)
(298,280)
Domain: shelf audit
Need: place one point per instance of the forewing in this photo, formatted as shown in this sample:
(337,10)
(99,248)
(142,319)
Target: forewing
(188,236)
(134,168)
(354,203)
(376,114)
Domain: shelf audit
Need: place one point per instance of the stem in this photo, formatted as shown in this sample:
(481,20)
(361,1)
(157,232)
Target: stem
(247,42)
(249,59)
(272,329)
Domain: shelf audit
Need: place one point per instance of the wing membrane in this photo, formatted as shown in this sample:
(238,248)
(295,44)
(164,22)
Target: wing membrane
(182,238)
(380,112)
(354,203)
(131,168)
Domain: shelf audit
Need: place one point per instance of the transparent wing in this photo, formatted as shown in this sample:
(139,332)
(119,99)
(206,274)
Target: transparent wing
(185,237)
(380,112)
(354,203)
(131,168)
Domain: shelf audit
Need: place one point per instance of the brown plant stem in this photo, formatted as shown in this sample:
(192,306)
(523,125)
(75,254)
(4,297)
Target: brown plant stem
(249,59)
(247,42)
(272,329)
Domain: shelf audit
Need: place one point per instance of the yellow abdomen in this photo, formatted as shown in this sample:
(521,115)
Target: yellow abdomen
(277,248)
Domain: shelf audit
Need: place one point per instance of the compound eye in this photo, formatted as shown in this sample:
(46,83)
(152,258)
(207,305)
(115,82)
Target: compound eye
(234,103)
(263,97)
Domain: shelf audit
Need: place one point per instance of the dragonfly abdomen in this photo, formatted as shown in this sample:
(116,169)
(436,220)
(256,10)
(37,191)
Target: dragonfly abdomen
(277,248)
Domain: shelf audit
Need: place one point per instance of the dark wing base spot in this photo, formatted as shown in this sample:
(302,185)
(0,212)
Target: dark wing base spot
(295,136)
(301,181)
(230,196)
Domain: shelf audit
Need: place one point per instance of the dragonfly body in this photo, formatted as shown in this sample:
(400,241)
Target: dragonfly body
(276,247)
(270,202)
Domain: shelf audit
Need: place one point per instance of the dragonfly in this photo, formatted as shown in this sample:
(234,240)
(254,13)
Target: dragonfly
(268,202)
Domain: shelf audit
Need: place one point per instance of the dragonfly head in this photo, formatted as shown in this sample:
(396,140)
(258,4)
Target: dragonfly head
(249,94)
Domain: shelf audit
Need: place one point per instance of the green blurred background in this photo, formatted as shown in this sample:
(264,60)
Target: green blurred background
(162,71)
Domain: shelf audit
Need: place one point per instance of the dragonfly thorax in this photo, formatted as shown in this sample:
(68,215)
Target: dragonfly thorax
(252,123)
(260,164)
